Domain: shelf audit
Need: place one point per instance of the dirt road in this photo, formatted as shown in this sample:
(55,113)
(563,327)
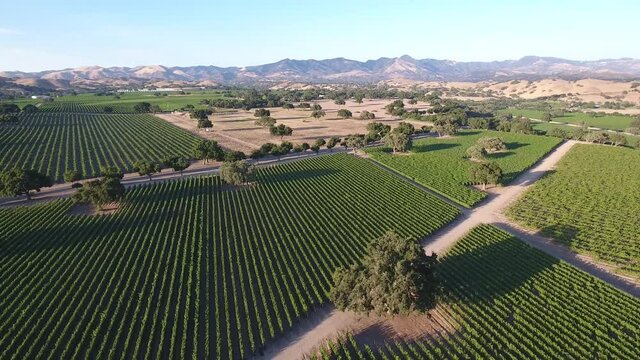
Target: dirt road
(330,323)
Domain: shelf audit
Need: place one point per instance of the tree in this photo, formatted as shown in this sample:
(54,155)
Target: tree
(315,148)
(205,124)
(359,99)
(405,128)
(398,141)
(288,106)
(547,117)
(522,125)
(16,182)
(396,277)
(504,126)
(9,109)
(257,154)
(298,148)
(281,130)
(267,147)
(29,108)
(491,144)
(72,176)
(367,115)
(265,121)
(599,137)
(261,113)
(142,107)
(206,150)
(339,102)
(200,114)
(146,168)
(107,109)
(559,133)
(100,192)
(618,139)
(236,172)
(377,130)
(332,142)
(304,105)
(445,129)
(284,148)
(396,108)
(356,141)
(344,113)
(316,107)
(177,163)
(231,156)
(305,146)
(476,152)
(317,114)
(111,172)
(412,101)
(485,173)
(320,142)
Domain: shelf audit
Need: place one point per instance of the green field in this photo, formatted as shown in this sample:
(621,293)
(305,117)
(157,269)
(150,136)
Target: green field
(613,122)
(631,139)
(53,143)
(192,268)
(91,103)
(591,203)
(511,301)
(439,163)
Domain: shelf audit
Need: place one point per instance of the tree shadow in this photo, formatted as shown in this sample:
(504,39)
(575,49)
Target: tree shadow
(433,147)
(493,270)
(561,232)
(295,175)
(515,145)
(500,155)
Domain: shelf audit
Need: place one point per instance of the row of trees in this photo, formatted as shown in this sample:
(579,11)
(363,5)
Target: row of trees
(9,112)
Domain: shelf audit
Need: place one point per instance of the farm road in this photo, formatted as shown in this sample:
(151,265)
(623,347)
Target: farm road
(330,322)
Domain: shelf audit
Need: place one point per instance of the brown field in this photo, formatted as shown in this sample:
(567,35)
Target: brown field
(237,131)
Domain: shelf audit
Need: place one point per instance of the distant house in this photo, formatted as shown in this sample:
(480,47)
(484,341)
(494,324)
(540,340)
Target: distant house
(41,97)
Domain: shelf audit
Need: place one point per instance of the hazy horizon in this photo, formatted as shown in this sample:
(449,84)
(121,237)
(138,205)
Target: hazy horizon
(118,33)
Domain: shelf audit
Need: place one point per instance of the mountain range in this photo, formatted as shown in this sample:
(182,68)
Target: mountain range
(334,71)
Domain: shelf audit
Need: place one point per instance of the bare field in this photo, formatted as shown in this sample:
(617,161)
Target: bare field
(237,130)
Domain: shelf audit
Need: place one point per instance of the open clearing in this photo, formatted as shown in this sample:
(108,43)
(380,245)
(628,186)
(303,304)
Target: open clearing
(509,300)
(591,204)
(237,131)
(440,165)
(184,269)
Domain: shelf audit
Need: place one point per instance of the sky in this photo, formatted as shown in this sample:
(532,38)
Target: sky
(39,35)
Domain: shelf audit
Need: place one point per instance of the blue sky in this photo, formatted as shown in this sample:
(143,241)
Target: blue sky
(38,35)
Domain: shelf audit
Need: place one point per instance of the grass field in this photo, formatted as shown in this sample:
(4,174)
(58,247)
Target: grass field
(439,163)
(191,268)
(591,203)
(613,122)
(53,143)
(510,301)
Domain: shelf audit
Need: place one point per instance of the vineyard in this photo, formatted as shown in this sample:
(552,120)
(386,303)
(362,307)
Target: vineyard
(591,203)
(54,143)
(90,103)
(440,164)
(511,301)
(192,268)
(614,122)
